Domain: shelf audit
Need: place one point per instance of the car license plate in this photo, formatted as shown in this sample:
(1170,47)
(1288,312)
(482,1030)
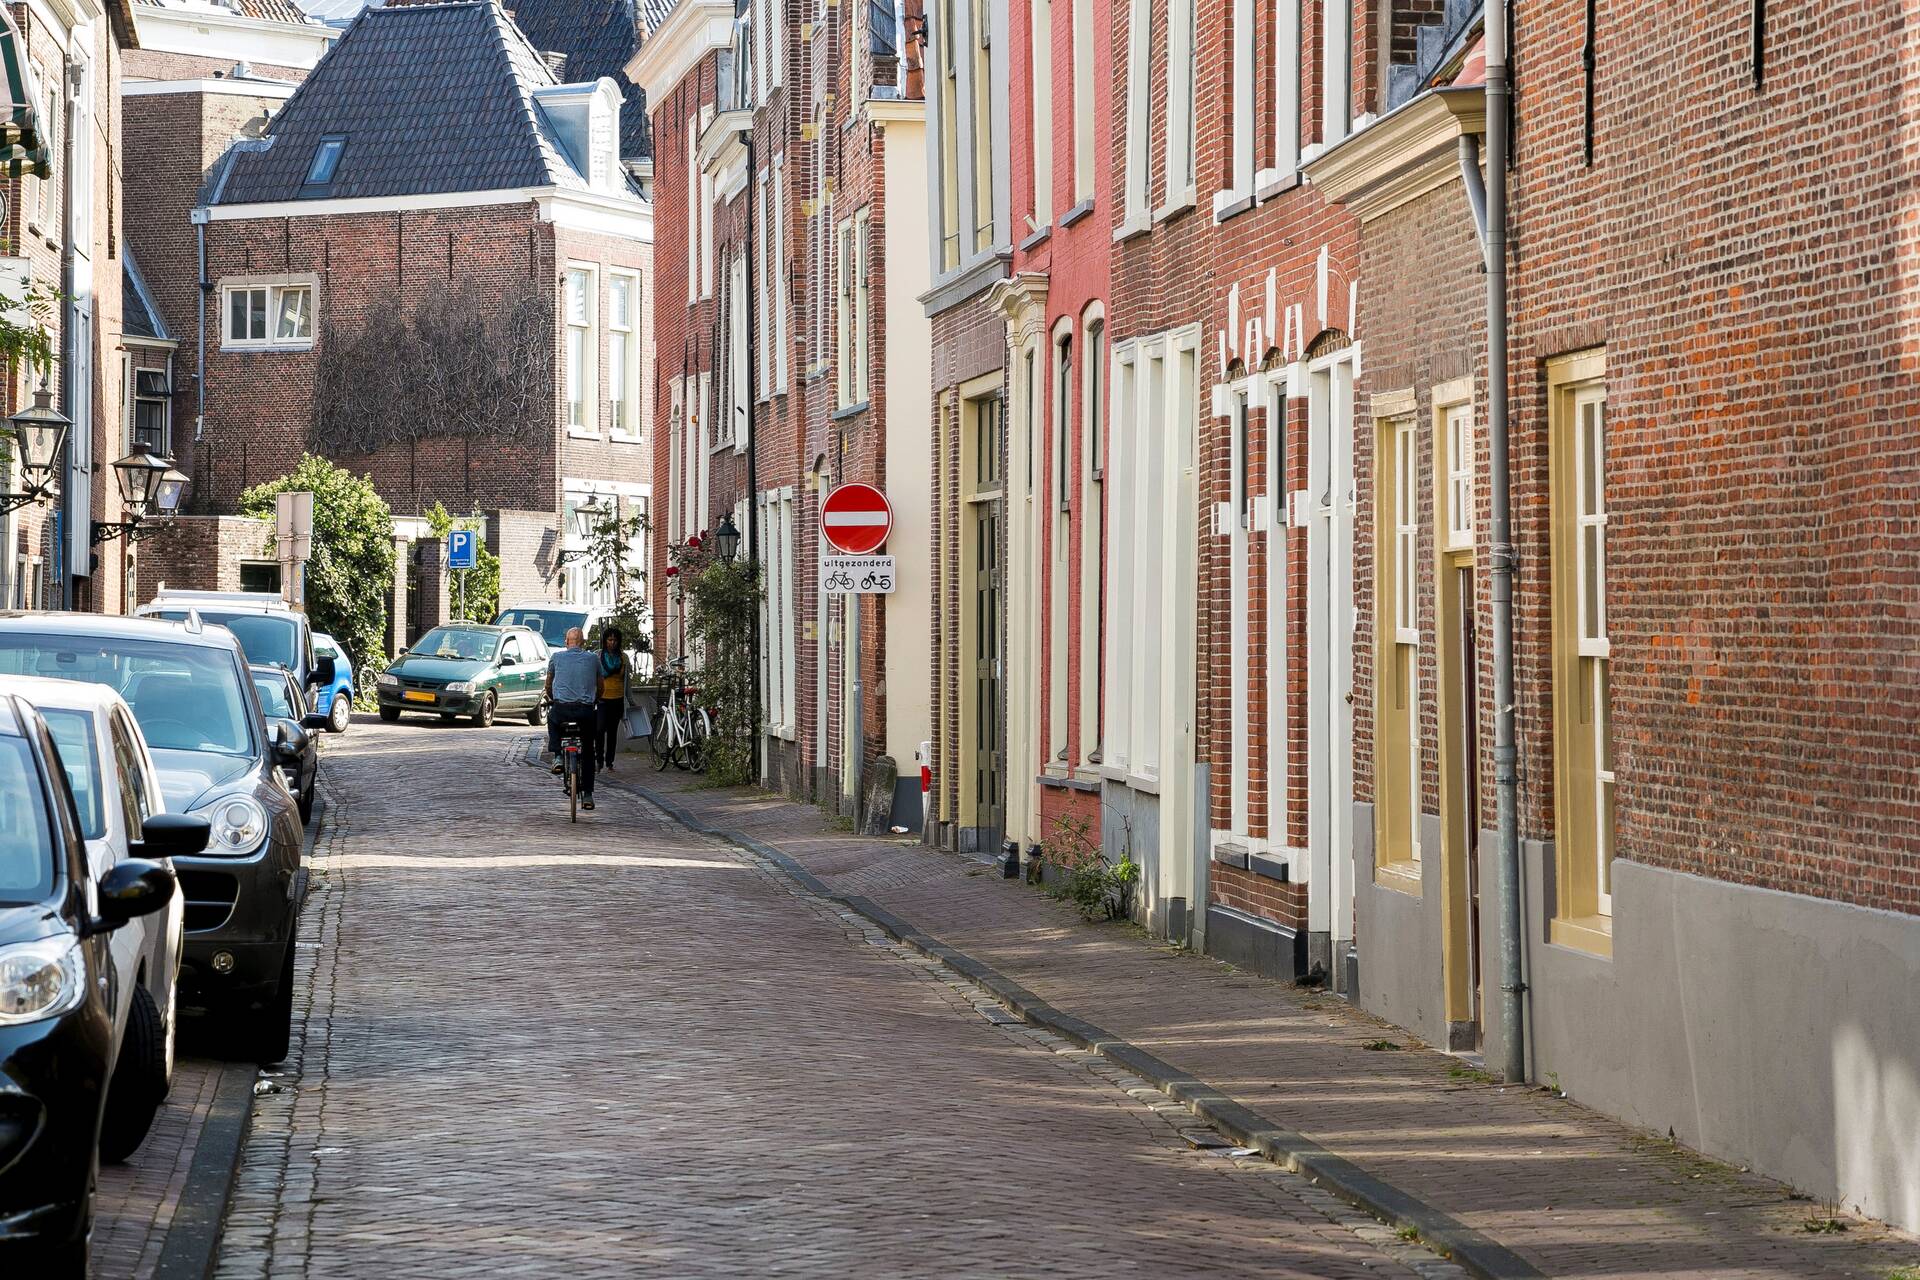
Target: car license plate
(416,695)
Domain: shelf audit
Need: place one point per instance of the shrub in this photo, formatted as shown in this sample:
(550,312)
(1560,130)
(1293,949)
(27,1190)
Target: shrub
(478,599)
(1092,884)
(722,600)
(351,569)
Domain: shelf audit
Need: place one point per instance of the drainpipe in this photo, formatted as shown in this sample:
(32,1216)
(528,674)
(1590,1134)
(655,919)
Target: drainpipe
(1513,1061)
(200,368)
(753,474)
(1476,189)
(70,347)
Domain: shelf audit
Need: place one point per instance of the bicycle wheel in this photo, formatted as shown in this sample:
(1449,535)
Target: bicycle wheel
(573,789)
(699,730)
(661,740)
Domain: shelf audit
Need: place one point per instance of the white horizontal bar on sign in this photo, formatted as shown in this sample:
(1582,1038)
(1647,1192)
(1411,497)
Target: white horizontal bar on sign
(851,518)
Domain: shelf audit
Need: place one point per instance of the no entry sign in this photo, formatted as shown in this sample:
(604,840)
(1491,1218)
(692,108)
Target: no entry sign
(856,519)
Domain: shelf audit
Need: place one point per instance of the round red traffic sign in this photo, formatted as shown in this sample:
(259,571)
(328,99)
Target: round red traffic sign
(856,519)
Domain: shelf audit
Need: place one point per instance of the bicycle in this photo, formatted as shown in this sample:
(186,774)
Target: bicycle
(570,743)
(681,731)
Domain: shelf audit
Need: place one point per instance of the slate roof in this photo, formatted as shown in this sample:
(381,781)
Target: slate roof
(597,37)
(429,98)
(139,318)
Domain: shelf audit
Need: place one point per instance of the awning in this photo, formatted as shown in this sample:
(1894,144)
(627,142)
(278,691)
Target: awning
(23,140)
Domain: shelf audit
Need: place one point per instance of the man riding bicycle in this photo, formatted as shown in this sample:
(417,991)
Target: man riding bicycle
(573,686)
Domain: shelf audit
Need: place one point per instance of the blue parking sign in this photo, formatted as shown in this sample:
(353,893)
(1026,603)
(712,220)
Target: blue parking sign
(460,549)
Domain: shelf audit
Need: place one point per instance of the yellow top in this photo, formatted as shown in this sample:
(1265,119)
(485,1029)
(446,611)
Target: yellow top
(615,685)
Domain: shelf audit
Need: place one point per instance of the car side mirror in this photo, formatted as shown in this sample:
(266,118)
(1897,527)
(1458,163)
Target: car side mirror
(170,835)
(131,889)
(315,720)
(289,741)
(323,671)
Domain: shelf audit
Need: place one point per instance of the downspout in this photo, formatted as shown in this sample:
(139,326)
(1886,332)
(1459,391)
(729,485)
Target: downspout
(1513,1060)
(200,367)
(753,474)
(1476,189)
(69,344)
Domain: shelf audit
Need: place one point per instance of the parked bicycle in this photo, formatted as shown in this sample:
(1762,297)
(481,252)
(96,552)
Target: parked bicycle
(681,730)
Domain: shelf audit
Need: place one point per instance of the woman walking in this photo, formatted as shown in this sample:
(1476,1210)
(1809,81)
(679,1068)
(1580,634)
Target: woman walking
(613,694)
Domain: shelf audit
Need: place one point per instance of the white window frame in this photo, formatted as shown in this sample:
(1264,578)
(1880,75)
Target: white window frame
(1240,125)
(1286,97)
(1139,113)
(1590,597)
(631,365)
(843,265)
(738,354)
(1181,146)
(1083,124)
(1094,400)
(1456,421)
(863,305)
(131,380)
(275,289)
(1040,58)
(782,291)
(585,276)
(1336,71)
(696,189)
(762,340)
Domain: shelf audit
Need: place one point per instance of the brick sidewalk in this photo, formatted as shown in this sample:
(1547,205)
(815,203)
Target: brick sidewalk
(1571,1191)
(137,1200)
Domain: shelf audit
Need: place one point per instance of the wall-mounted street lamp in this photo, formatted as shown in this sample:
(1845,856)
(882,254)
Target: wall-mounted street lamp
(586,520)
(726,539)
(142,480)
(37,432)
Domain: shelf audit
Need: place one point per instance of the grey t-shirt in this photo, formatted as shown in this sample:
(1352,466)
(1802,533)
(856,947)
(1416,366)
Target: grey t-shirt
(576,675)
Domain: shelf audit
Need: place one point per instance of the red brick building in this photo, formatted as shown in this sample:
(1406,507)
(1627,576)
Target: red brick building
(777,320)
(1055,299)
(429,189)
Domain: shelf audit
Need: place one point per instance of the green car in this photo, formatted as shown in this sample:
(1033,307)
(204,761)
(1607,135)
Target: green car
(468,669)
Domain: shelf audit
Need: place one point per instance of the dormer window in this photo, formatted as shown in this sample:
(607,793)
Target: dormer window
(326,158)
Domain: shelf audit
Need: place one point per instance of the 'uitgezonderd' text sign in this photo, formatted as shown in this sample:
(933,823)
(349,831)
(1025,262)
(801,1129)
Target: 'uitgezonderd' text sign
(856,575)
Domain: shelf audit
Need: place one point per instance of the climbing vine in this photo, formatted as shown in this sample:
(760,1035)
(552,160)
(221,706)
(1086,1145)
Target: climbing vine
(462,361)
(722,600)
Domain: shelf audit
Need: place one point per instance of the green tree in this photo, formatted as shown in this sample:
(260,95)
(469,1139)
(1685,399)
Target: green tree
(351,569)
(481,591)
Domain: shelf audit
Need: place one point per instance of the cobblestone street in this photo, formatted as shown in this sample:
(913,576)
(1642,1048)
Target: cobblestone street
(621,1048)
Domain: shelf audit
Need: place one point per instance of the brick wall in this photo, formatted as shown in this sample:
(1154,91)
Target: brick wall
(201,553)
(260,405)
(1761,428)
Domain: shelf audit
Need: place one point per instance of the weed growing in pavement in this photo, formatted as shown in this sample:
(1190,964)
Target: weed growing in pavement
(1382,1046)
(1458,1072)
(1409,1234)
(1826,1222)
(1904,1273)
(1093,885)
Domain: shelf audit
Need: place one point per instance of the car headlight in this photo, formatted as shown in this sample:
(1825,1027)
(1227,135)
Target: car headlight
(40,979)
(238,824)
(460,686)
(387,680)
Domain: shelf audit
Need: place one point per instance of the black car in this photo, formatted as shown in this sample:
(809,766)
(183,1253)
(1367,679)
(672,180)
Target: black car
(56,995)
(279,701)
(218,759)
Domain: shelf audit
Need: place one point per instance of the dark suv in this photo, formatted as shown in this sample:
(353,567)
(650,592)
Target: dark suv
(57,993)
(190,690)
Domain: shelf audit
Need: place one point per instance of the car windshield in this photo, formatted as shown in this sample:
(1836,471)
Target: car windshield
(73,733)
(552,624)
(273,695)
(263,636)
(26,850)
(458,642)
(187,697)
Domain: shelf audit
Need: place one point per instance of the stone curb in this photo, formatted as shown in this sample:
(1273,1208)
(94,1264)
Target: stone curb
(1480,1255)
(193,1235)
